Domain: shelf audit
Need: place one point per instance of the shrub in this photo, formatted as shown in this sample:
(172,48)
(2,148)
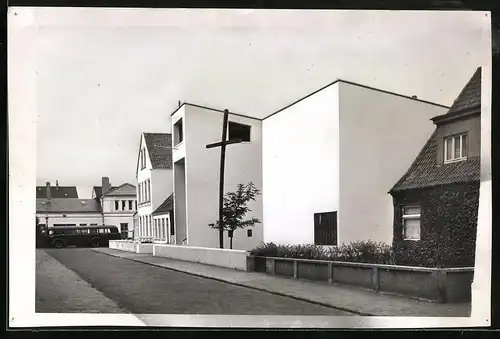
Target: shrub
(359,251)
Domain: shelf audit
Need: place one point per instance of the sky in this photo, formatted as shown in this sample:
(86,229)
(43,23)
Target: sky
(104,76)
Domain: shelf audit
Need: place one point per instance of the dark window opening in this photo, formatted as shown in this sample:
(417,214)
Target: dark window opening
(249,233)
(123,205)
(117,205)
(239,131)
(325,228)
(178,133)
(130,205)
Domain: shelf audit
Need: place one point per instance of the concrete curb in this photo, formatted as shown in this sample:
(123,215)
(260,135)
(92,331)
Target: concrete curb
(344,309)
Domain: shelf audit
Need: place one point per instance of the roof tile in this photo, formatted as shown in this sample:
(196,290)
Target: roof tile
(160,149)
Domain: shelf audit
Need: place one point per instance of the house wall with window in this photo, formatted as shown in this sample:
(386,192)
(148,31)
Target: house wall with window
(380,134)
(300,167)
(444,233)
(144,206)
(68,218)
(442,185)
(154,182)
(470,127)
(200,176)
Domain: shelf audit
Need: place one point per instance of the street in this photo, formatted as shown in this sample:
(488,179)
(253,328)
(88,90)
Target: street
(138,288)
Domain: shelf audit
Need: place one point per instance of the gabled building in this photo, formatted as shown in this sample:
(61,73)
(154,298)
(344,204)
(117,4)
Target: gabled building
(118,205)
(163,217)
(436,200)
(57,191)
(322,163)
(53,212)
(154,182)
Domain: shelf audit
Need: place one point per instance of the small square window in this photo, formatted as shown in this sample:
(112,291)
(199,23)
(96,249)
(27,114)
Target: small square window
(239,131)
(249,233)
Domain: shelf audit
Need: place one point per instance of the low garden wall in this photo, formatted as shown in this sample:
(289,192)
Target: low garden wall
(144,248)
(236,259)
(123,245)
(436,284)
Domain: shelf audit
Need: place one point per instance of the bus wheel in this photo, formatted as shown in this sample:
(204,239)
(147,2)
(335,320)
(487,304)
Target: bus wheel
(58,244)
(95,242)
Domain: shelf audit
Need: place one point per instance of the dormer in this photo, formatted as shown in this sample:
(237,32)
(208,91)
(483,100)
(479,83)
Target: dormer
(458,131)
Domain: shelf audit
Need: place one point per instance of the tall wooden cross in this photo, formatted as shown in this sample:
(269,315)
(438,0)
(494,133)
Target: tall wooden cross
(222,144)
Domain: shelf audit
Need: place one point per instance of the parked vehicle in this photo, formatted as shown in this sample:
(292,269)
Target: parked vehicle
(94,236)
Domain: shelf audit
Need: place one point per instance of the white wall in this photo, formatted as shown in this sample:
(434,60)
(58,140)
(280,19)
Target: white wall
(380,136)
(243,164)
(300,167)
(71,218)
(162,185)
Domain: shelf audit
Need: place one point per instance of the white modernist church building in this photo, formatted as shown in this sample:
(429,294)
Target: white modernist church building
(324,165)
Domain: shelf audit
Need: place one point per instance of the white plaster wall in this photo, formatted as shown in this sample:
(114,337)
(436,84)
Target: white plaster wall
(380,136)
(243,164)
(108,204)
(179,150)
(162,185)
(116,219)
(236,259)
(300,167)
(71,218)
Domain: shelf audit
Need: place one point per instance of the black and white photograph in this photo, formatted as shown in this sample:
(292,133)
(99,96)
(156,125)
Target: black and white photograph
(249,168)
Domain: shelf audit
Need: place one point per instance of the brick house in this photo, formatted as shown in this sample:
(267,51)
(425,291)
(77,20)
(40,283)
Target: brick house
(436,201)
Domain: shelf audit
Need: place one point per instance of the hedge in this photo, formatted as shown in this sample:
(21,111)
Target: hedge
(359,251)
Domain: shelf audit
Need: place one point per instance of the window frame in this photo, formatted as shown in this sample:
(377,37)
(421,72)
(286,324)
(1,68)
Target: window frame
(453,137)
(233,123)
(405,217)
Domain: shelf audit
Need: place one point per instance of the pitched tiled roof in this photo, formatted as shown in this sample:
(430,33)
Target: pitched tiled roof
(159,147)
(57,192)
(98,190)
(425,172)
(67,205)
(166,206)
(124,189)
(470,96)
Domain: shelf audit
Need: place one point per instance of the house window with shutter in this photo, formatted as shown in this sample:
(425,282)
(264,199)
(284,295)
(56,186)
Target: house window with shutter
(411,222)
(325,228)
(117,205)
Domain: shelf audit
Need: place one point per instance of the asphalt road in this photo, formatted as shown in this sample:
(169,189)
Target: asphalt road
(144,289)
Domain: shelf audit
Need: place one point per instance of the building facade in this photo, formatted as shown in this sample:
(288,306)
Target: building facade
(163,222)
(154,181)
(118,205)
(318,162)
(53,212)
(196,173)
(436,201)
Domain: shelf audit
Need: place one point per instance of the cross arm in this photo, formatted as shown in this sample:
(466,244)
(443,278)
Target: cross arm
(220,143)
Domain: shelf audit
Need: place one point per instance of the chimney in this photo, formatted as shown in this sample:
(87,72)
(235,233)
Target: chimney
(57,185)
(414,97)
(105,185)
(47,190)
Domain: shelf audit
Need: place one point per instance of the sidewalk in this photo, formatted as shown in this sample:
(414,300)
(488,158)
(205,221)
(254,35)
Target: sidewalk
(60,290)
(356,300)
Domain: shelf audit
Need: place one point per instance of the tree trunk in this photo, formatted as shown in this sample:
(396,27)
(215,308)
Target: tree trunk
(231,243)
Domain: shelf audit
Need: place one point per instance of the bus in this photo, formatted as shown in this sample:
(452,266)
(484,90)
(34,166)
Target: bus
(94,236)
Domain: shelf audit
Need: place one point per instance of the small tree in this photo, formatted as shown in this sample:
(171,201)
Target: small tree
(235,208)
